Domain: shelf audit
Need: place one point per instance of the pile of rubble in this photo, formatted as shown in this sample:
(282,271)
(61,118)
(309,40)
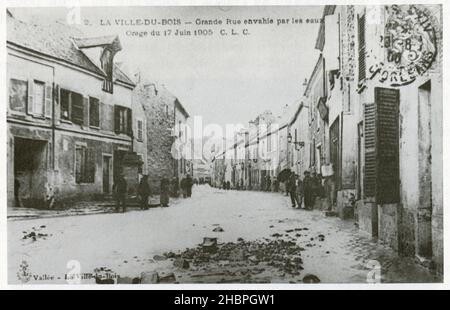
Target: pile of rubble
(34,235)
(280,254)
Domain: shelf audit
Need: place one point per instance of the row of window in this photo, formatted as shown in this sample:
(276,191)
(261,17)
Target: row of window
(35,98)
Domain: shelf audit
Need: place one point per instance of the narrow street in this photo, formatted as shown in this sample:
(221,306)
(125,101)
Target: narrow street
(150,241)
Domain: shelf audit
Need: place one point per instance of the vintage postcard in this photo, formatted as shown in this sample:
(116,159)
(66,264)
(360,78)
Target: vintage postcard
(207,144)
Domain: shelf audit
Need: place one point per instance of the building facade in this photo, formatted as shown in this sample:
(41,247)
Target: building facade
(69,116)
(369,123)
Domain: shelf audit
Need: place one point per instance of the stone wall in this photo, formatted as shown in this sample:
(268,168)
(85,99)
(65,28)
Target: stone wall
(158,105)
(388,223)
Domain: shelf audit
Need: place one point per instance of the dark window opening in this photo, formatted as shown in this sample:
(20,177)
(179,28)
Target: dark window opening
(71,107)
(65,104)
(122,119)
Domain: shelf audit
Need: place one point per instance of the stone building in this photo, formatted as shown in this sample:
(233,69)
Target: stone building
(69,115)
(399,95)
(165,133)
(382,137)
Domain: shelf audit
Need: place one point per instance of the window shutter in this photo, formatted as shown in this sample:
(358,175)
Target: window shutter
(79,158)
(362,47)
(381,138)
(370,164)
(56,94)
(56,106)
(94,112)
(48,100)
(388,172)
(90,165)
(129,123)
(86,111)
(30,103)
(116,119)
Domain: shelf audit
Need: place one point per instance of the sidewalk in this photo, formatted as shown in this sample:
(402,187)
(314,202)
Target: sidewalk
(80,208)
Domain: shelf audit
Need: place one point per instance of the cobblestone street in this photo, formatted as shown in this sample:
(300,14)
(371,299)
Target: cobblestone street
(276,244)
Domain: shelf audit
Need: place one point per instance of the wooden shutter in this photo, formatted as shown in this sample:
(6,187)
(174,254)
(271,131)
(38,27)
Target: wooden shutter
(94,112)
(129,123)
(30,103)
(56,96)
(79,164)
(90,166)
(86,111)
(388,170)
(77,108)
(381,139)
(362,47)
(48,100)
(370,166)
(116,119)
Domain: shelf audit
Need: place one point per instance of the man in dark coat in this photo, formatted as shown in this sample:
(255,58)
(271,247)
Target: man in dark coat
(308,191)
(268,184)
(292,188)
(144,192)
(175,187)
(120,191)
(164,192)
(183,186)
(300,191)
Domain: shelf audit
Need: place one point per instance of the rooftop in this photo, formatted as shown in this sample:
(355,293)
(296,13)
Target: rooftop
(58,41)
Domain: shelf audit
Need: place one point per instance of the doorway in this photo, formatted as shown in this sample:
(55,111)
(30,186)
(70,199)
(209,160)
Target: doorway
(30,171)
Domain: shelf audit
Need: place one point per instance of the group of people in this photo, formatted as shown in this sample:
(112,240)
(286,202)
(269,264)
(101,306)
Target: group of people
(144,192)
(303,193)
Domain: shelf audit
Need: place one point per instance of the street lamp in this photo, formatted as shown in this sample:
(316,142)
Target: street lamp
(299,143)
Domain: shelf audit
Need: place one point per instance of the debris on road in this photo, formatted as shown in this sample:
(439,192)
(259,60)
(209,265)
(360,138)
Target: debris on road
(149,278)
(218,229)
(310,278)
(167,278)
(159,258)
(181,263)
(35,234)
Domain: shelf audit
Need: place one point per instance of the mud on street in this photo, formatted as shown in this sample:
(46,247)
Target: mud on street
(216,236)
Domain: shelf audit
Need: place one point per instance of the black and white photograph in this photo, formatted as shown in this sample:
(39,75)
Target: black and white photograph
(224,144)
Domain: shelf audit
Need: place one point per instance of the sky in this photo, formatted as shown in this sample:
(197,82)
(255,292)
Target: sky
(224,79)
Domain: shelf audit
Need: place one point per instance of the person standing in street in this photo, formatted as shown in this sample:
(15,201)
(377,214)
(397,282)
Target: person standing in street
(164,192)
(189,184)
(316,187)
(308,190)
(175,187)
(269,184)
(300,192)
(120,191)
(183,187)
(292,187)
(144,192)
